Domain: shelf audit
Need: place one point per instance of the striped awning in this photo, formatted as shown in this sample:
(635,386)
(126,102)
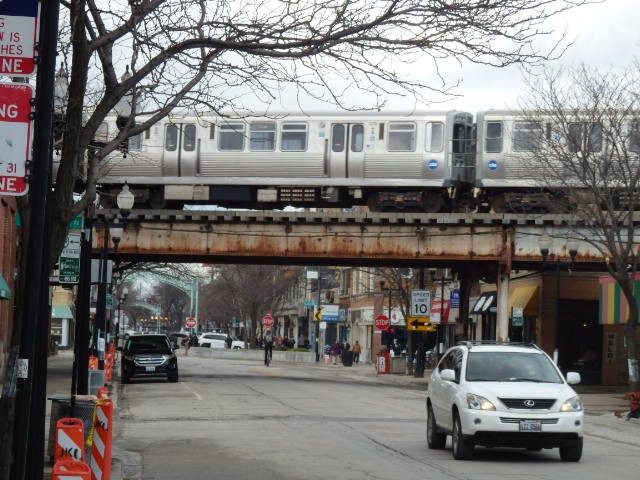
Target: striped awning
(483,304)
(614,309)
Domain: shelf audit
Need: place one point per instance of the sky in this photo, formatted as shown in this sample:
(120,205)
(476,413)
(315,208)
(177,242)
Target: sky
(604,35)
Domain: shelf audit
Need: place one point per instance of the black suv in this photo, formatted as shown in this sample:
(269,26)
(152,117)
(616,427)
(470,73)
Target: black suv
(148,355)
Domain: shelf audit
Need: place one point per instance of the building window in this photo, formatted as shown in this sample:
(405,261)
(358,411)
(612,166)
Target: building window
(634,137)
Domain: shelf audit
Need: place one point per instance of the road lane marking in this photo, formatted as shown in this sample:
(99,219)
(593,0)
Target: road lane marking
(195,394)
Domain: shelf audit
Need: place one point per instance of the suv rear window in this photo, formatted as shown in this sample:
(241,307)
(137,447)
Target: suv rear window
(159,344)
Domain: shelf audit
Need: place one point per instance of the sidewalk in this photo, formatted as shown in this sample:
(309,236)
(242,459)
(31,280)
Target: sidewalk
(59,369)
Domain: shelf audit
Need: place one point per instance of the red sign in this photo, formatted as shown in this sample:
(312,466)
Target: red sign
(18,30)
(436,313)
(382,322)
(191,322)
(15,136)
(268,320)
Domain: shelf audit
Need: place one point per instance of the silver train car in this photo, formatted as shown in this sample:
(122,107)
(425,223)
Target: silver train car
(420,161)
(517,159)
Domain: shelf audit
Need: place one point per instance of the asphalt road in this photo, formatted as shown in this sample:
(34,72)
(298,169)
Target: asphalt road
(234,419)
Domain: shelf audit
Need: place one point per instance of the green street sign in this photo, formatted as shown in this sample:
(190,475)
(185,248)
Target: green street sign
(77,223)
(69,260)
(69,270)
(109,303)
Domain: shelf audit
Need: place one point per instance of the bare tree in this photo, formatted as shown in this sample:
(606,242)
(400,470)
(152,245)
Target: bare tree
(591,153)
(145,58)
(248,292)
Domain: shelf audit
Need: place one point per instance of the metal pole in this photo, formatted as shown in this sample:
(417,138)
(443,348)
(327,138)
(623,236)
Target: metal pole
(317,322)
(32,379)
(83,312)
(101,307)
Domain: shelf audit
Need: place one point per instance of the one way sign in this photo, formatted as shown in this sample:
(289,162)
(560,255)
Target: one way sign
(420,324)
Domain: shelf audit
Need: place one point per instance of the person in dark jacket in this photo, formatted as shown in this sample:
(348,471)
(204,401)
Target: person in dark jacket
(336,350)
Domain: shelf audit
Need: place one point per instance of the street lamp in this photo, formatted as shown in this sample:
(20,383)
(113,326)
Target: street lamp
(545,242)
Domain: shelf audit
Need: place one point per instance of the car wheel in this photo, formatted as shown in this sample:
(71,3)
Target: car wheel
(173,378)
(572,453)
(462,450)
(436,440)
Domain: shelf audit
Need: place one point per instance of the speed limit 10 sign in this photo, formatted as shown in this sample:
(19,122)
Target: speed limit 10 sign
(420,303)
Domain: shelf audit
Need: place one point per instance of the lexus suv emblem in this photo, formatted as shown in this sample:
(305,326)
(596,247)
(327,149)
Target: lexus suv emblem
(529,403)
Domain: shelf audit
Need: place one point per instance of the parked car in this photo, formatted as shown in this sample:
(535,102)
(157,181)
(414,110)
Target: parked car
(503,395)
(148,355)
(218,340)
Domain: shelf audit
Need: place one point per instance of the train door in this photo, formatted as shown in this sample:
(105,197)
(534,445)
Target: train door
(347,150)
(180,155)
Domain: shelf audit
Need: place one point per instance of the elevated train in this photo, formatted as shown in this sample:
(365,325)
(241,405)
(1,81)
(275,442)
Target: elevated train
(430,161)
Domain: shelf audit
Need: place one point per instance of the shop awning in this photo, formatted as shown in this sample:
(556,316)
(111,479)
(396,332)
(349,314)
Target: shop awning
(5,291)
(61,311)
(526,298)
(483,303)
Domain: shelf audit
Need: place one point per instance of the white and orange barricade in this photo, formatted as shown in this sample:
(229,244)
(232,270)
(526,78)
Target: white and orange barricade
(69,439)
(108,366)
(103,392)
(70,470)
(93,362)
(101,441)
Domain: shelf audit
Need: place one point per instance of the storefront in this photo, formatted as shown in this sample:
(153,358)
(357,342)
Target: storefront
(484,313)
(523,313)
(613,316)
(62,326)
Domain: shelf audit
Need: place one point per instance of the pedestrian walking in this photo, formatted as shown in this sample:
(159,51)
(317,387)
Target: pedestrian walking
(268,347)
(336,350)
(186,343)
(356,352)
(228,341)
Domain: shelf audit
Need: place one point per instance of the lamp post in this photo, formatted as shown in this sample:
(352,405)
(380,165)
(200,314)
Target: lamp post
(121,299)
(545,242)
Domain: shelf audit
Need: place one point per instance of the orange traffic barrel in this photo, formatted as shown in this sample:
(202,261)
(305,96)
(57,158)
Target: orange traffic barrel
(69,439)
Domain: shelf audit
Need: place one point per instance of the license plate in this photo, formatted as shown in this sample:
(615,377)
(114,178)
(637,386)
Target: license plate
(151,369)
(530,426)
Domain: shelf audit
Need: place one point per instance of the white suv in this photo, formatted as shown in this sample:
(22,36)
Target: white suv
(218,340)
(503,395)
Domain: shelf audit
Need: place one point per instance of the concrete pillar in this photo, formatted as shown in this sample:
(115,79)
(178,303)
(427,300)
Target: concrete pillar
(502,320)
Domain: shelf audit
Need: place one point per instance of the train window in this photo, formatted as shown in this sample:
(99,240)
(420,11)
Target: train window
(527,136)
(135,143)
(435,137)
(634,137)
(189,138)
(171,138)
(493,137)
(262,136)
(293,137)
(231,137)
(337,137)
(459,142)
(585,135)
(212,131)
(402,137)
(381,131)
(357,138)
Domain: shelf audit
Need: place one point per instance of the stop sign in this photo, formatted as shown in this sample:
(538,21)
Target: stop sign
(267,321)
(382,322)
(191,322)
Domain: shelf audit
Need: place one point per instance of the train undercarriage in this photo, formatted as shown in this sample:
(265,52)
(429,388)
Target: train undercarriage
(433,200)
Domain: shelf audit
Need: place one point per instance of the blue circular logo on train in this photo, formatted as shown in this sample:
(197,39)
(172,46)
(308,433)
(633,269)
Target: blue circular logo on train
(433,164)
(493,164)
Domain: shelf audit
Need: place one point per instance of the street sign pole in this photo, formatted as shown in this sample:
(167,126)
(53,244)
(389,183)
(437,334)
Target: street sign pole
(31,389)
